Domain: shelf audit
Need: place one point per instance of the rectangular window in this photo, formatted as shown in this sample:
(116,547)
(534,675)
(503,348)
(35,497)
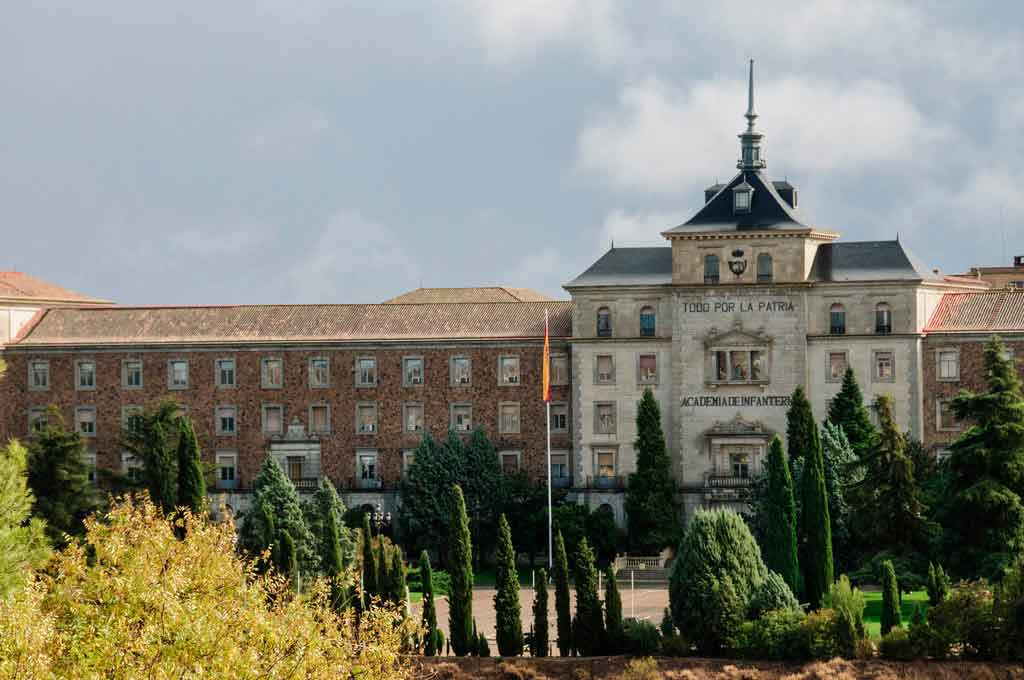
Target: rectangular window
(39,375)
(273,419)
(604,369)
(412,371)
(366,418)
(294,465)
(721,366)
(225,373)
(648,365)
(272,374)
(462,417)
(508,371)
(131,467)
(131,374)
(740,463)
(177,374)
(604,418)
(559,369)
(508,418)
(85,421)
(131,419)
(366,372)
(226,424)
(559,417)
(510,462)
(412,418)
(837,364)
(366,461)
(319,372)
(560,469)
(90,465)
(606,464)
(947,421)
(408,458)
(884,366)
(85,374)
(461,371)
(739,366)
(36,419)
(949,365)
(319,418)
(227,476)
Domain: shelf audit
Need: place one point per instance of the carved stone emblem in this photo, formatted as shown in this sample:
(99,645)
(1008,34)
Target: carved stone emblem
(737,265)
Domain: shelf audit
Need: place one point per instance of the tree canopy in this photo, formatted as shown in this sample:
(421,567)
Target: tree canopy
(651,506)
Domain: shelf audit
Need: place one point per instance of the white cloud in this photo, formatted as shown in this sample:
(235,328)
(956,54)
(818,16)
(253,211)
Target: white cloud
(353,260)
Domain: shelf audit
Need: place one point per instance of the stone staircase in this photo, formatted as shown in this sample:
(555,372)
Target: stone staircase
(642,570)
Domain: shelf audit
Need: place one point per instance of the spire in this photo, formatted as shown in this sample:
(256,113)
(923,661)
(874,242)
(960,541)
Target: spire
(750,141)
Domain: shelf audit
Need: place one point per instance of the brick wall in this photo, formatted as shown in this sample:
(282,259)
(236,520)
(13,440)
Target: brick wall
(338,449)
(972,377)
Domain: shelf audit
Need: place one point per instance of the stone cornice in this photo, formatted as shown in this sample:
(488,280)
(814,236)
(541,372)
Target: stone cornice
(818,234)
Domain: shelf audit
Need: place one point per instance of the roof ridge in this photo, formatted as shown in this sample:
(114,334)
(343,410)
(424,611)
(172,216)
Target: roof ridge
(299,305)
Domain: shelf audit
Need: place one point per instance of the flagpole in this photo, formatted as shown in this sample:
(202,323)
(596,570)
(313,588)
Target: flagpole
(547,402)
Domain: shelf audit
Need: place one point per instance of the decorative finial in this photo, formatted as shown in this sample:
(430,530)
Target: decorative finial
(750,141)
(751,114)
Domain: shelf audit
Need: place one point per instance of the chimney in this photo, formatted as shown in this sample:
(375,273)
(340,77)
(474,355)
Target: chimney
(1018,260)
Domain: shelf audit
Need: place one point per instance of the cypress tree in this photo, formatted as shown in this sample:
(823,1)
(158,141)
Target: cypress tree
(324,504)
(430,643)
(385,587)
(460,565)
(398,577)
(539,640)
(816,526)
(651,506)
(668,626)
(152,438)
(890,598)
(370,567)
(937,585)
(842,473)
(331,558)
(562,601)
(508,625)
(268,539)
(191,481)
(588,626)
(613,623)
(780,553)
(849,412)
(287,561)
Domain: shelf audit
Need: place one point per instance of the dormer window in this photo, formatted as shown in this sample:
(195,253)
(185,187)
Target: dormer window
(742,196)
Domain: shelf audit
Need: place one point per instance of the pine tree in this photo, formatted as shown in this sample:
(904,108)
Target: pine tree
(983,515)
(562,600)
(191,481)
(508,625)
(539,640)
(59,479)
(460,566)
(651,506)
(153,438)
(327,504)
(849,412)
(780,541)
(588,626)
(273,488)
(23,541)
(890,598)
(430,630)
(816,527)
(287,559)
(614,625)
(371,570)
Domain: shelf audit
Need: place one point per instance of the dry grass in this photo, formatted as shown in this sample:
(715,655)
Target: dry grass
(619,668)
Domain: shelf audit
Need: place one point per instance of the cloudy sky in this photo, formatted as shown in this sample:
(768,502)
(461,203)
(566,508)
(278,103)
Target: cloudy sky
(328,151)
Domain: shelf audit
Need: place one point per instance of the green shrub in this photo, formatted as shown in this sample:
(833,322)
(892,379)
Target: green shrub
(668,626)
(442,582)
(675,645)
(776,635)
(898,646)
(819,630)
(1009,611)
(911,573)
(641,637)
(964,620)
(848,603)
(773,594)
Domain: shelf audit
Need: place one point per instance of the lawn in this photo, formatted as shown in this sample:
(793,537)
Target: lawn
(873,610)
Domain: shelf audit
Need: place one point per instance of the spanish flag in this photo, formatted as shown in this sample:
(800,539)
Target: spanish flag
(546,369)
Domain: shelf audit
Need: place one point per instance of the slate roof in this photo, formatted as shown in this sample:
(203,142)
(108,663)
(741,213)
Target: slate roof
(21,287)
(629,266)
(981,311)
(261,324)
(462,295)
(868,261)
(768,210)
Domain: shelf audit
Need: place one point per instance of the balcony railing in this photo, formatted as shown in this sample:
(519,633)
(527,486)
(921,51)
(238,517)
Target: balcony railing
(306,483)
(376,484)
(726,482)
(605,482)
(560,482)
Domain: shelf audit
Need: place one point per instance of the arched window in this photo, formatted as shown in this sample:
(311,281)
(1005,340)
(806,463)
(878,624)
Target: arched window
(837,320)
(711,269)
(648,321)
(764,268)
(604,323)
(883,318)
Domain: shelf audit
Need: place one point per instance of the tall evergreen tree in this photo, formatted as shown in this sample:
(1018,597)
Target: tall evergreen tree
(651,506)
(398,577)
(152,437)
(267,541)
(385,585)
(983,515)
(331,560)
(588,625)
(816,527)
(539,641)
(59,479)
(508,624)
(326,504)
(890,598)
(287,557)
(23,541)
(272,489)
(849,412)
(563,612)
(460,568)
(780,553)
(371,569)
(614,625)
(430,629)
(842,473)
(191,480)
